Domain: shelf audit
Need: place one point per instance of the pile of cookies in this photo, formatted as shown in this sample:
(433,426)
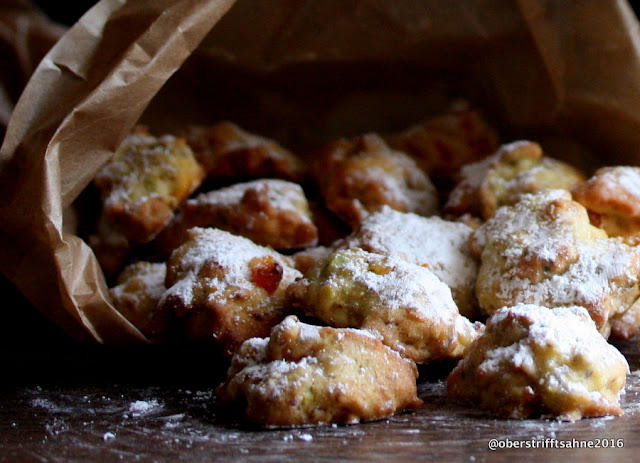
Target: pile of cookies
(325,279)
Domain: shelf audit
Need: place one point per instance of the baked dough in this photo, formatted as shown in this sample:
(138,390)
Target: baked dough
(307,260)
(145,181)
(544,251)
(432,242)
(229,152)
(138,289)
(270,212)
(225,288)
(404,303)
(442,144)
(533,361)
(612,197)
(306,375)
(141,187)
(359,175)
(516,168)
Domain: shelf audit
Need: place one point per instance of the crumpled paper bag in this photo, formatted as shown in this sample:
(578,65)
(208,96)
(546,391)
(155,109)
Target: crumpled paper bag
(302,71)
(26,36)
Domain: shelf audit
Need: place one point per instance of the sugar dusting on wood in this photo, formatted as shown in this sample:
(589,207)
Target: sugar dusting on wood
(182,421)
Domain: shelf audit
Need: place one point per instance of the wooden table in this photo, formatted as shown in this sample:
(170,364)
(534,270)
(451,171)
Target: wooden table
(66,402)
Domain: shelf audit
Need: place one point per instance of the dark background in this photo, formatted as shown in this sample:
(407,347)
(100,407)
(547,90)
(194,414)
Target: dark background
(65,12)
(69,12)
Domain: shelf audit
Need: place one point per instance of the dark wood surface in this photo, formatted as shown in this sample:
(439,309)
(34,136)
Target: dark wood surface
(63,402)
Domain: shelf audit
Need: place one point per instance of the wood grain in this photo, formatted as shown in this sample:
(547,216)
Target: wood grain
(60,401)
(106,405)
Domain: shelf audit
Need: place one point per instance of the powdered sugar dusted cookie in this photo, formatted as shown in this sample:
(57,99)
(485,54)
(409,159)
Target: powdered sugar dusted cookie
(544,251)
(442,144)
(612,197)
(229,152)
(145,182)
(532,361)
(406,304)
(138,289)
(437,244)
(269,212)
(226,288)
(356,176)
(141,187)
(516,168)
(306,375)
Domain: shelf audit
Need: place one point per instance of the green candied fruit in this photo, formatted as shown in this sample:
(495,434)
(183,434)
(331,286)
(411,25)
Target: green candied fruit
(161,183)
(337,260)
(338,282)
(340,269)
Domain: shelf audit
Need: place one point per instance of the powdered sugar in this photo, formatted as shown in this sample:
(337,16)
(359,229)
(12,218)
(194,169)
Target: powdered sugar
(229,253)
(394,188)
(313,375)
(398,284)
(587,282)
(136,157)
(520,355)
(533,359)
(626,178)
(272,379)
(579,265)
(258,345)
(308,333)
(439,244)
(183,290)
(148,279)
(280,194)
(473,175)
(551,335)
(142,407)
(227,250)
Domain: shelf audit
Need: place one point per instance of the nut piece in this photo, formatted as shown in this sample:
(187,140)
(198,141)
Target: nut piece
(306,375)
(532,361)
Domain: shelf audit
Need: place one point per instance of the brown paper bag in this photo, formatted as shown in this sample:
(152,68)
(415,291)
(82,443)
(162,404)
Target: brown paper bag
(26,36)
(304,70)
